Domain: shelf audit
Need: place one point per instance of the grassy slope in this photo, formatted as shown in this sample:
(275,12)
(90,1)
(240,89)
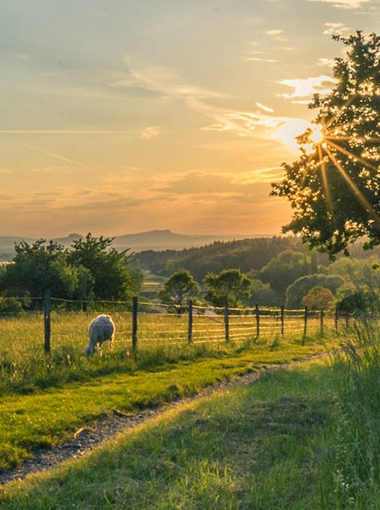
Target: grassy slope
(257,447)
(46,418)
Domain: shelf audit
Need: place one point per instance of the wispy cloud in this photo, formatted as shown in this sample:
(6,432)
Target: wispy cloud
(63,132)
(5,171)
(274,32)
(150,132)
(329,62)
(264,108)
(259,59)
(306,87)
(336,29)
(162,79)
(344,4)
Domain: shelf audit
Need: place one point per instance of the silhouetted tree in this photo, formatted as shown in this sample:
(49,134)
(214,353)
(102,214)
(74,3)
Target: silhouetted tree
(334,188)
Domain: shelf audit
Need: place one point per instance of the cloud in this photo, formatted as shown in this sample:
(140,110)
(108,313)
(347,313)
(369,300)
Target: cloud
(258,59)
(329,62)
(264,108)
(306,87)
(274,32)
(5,171)
(53,169)
(344,4)
(161,79)
(150,132)
(336,29)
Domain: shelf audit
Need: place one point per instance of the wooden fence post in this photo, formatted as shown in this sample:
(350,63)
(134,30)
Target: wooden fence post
(226,324)
(321,320)
(282,321)
(257,312)
(135,304)
(305,327)
(336,320)
(190,327)
(47,309)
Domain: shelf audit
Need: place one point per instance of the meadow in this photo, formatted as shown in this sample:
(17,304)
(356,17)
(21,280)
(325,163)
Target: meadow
(302,437)
(162,337)
(46,398)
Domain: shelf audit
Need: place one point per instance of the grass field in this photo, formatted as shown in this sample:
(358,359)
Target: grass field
(161,338)
(299,438)
(46,398)
(278,444)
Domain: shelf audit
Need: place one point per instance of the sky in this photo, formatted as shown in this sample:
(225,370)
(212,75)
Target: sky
(121,116)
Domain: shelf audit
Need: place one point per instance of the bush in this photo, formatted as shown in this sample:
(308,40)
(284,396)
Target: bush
(10,305)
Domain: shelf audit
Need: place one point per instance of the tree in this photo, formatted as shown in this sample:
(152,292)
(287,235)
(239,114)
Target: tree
(230,287)
(110,270)
(318,298)
(334,186)
(37,267)
(284,269)
(299,289)
(179,289)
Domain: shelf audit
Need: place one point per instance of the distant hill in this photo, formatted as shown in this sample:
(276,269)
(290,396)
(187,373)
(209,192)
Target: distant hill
(153,240)
(245,254)
(167,240)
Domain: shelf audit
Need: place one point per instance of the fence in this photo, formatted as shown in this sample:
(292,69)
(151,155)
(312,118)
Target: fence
(54,322)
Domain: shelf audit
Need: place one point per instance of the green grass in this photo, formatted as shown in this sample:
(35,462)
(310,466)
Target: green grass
(259,447)
(47,417)
(162,339)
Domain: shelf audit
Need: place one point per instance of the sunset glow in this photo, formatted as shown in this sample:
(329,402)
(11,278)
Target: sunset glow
(119,118)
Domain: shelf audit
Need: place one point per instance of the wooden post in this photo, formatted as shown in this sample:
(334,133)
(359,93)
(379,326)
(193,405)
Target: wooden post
(282,321)
(134,323)
(226,324)
(336,320)
(47,309)
(321,320)
(257,312)
(190,328)
(305,327)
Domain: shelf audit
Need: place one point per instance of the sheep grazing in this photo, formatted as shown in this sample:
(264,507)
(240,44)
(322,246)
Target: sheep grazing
(102,328)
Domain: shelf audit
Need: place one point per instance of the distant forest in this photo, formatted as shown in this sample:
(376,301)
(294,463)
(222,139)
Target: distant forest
(281,269)
(246,255)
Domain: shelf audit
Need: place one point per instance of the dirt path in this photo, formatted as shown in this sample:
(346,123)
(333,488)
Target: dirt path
(88,438)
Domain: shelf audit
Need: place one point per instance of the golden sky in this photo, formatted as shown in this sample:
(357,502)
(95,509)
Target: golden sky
(120,116)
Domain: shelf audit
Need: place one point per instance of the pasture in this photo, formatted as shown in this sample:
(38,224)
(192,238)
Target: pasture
(161,337)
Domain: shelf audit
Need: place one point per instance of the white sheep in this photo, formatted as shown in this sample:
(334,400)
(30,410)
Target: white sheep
(102,328)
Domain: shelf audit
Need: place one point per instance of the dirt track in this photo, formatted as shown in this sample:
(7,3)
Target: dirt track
(86,439)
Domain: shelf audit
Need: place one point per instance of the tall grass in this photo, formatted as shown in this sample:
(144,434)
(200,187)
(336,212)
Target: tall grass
(162,339)
(354,458)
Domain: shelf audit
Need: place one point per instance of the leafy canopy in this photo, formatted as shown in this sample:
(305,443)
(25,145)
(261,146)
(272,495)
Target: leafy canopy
(334,187)
(230,287)
(90,269)
(179,289)
(318,298)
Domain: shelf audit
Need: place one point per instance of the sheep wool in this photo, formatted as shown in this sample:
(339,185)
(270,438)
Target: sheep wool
(102,328)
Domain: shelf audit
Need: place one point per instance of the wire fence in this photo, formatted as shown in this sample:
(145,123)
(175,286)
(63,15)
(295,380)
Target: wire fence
(52,323)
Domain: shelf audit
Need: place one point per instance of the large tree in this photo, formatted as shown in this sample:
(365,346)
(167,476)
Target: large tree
(334,187)
(110,269)
(179,289)
(230,287)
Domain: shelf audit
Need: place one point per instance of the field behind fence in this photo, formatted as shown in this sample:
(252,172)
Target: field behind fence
(56,324)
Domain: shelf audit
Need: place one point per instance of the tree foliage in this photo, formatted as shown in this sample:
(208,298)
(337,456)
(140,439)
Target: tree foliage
(109,268)
(90,269)
(231,287)
(284,269)
(179,289)
(334,187)
(299,289)
(318,298)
